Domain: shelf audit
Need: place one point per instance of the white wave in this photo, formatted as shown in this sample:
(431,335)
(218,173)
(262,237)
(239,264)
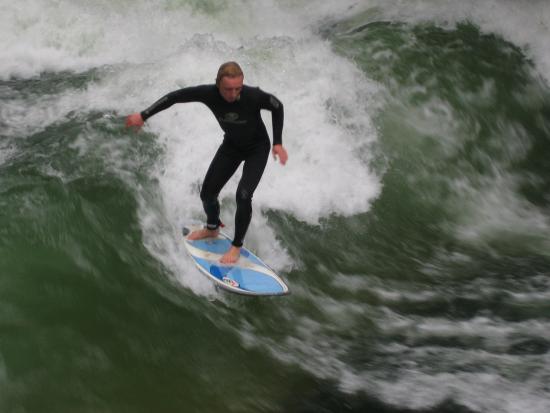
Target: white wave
(414,371)
(483,392)
(489,209)
(75,35)
(494,212)
(144,50)
(26,116)
(524,23)
(324,175)
(6,151)
(384,289)
(154,49)
(496,334)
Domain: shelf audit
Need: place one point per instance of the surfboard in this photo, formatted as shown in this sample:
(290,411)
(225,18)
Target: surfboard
(248,276)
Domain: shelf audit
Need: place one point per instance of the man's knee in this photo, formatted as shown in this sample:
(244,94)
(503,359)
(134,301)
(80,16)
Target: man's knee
(244,197)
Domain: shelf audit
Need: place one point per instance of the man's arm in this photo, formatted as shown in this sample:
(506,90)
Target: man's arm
(274,105)
(188,94)
(271,103)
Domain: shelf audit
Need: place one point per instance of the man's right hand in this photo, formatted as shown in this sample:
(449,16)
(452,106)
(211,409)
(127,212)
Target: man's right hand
(134,120)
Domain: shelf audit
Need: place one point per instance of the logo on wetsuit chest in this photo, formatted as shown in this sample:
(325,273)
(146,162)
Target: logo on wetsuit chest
(232,117)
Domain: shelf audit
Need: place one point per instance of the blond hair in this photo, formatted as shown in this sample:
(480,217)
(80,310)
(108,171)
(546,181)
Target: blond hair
(228,69)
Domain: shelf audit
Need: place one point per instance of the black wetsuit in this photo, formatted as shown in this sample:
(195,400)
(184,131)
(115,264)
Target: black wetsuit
(245,139)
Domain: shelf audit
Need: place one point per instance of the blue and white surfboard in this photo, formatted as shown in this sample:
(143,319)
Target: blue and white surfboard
(248,276)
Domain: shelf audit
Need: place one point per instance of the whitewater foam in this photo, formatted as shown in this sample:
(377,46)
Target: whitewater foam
(325,124)
(328,132)
(423,368)
(494,212)
(327,103)
(524,23)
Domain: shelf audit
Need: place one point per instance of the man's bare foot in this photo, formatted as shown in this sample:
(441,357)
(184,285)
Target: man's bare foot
(203,233)
(231,256)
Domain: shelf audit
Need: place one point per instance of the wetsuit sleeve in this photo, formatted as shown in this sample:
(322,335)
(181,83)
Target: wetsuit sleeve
(271,103)
(188,94)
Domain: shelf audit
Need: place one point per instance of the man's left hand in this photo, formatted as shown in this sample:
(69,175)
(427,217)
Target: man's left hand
(280,152)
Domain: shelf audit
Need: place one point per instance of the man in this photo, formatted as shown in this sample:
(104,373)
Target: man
(237,109)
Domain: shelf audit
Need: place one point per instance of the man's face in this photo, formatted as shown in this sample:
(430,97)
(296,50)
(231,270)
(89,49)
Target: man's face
(230,88)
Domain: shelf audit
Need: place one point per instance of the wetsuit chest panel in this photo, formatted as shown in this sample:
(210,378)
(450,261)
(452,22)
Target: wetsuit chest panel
(240,120)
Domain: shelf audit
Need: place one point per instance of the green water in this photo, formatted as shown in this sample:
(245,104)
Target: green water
(434,298)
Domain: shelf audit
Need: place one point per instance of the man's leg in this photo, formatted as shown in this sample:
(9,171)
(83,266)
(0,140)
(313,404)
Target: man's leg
(222,167)
(254,166)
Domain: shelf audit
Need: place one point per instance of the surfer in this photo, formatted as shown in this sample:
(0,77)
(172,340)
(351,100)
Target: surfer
(237,109)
